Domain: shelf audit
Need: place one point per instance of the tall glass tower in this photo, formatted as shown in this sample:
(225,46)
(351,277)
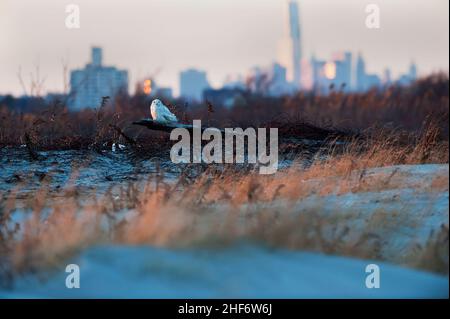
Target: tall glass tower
(294,27)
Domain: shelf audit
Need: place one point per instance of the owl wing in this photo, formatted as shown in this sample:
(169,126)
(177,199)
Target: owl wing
(167,115)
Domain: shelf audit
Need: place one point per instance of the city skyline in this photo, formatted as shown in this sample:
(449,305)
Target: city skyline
(261,48)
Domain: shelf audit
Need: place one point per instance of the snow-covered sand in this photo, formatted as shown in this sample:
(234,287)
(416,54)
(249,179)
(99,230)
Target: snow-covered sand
(404,214)
(240,272)
(252,271)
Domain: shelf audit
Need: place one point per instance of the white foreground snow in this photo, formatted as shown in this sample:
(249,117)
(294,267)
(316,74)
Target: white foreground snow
(239,272)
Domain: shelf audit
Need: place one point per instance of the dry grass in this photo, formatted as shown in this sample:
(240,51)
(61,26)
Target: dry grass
(223,205)
(305,115)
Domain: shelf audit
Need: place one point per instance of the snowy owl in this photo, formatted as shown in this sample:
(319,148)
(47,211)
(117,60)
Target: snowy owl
(160,112)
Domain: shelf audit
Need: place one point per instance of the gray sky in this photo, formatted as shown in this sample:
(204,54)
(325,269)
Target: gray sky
(221,36)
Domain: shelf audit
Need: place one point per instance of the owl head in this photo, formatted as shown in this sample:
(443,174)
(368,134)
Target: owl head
(156,102)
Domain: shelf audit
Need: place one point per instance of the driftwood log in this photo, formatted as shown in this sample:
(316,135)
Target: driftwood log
(167,127)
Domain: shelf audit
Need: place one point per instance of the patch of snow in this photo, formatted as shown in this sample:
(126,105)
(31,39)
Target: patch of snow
(117,146)
(237,272)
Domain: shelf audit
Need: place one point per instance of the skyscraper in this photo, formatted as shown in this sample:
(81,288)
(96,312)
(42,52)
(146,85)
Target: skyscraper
(192,84)
(409,77)
(333,74)
(278,83)
(343,78)
(413,71)
(294,28)
(89,85)
(365,81)
(360,73)
(387,77)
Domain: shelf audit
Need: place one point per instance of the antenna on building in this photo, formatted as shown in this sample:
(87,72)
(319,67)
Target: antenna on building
(97,56)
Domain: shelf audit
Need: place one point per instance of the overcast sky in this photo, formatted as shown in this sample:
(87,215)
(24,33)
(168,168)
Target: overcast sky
(221,36)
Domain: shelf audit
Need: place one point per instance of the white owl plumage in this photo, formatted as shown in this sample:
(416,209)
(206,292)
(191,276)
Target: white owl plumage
(160,113)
